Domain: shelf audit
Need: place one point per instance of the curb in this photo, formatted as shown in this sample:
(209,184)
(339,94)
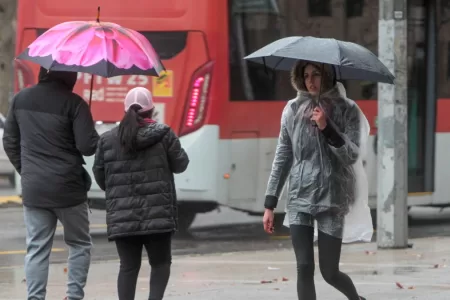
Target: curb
(10,201)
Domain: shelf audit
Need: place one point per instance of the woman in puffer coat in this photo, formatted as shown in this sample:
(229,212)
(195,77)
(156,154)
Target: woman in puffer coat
(318,144)
(134,164)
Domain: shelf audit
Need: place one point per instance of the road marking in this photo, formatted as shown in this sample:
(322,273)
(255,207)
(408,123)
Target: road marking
(92,226)
(10,199)
(244,281)
(279,237)
(425,265)
(14,252)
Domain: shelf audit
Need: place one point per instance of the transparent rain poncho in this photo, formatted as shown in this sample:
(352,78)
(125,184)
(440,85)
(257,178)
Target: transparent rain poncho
(321,177)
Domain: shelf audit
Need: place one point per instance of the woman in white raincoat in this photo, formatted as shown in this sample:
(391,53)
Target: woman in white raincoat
(319,149)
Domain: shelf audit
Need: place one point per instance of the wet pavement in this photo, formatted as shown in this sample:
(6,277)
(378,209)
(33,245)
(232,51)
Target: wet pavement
(418,273)
(202,239)
(212,233)
(229,261)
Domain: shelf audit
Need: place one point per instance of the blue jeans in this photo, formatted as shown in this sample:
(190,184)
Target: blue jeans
(41,226)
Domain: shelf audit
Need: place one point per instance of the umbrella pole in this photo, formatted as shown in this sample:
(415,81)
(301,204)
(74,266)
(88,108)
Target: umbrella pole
(92,77)
(320,90)
(321,84)
(92,87)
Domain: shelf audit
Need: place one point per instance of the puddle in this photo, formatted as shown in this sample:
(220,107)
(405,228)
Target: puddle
(405,270)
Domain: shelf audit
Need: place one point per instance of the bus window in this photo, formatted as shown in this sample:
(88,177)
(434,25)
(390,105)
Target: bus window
(443,59)
(252,25)
(354,8)
(255,23)
(319,8)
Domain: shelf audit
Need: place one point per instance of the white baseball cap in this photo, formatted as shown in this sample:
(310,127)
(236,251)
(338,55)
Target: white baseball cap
(140,96)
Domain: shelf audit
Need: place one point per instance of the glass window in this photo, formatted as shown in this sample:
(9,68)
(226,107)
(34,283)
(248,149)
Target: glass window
(448,61)
(319,8)
(256,23)
(354,8)
(443,59)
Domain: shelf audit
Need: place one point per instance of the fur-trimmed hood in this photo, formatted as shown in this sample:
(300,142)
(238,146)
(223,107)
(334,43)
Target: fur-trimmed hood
(298,79)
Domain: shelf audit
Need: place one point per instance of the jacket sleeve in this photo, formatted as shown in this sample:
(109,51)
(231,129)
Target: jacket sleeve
(86,137)
(346,145)
(11,139)
(281,165)
(99,166)
(178,158)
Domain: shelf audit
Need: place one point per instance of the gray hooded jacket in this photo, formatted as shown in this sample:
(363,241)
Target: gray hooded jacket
(318,163)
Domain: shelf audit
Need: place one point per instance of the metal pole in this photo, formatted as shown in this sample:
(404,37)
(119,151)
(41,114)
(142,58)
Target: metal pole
(392,193)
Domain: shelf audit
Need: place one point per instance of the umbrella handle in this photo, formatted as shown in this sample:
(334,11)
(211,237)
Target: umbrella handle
(92,87)
(98,15)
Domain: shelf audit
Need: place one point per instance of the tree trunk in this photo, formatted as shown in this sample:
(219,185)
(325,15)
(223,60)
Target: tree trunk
(7,45)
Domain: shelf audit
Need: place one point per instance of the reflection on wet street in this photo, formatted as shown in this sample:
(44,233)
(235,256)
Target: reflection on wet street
(201,240)
(205,237)
(218,257)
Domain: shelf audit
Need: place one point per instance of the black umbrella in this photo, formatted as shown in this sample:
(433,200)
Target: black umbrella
(350,60)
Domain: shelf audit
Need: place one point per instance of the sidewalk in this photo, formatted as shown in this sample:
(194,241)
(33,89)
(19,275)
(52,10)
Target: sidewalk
(421,271)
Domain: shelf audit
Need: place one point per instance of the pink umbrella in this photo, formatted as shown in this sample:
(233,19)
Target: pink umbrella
(100,48)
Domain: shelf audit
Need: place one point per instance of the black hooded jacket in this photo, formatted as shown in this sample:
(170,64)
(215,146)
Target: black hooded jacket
(47,131)
(140,187)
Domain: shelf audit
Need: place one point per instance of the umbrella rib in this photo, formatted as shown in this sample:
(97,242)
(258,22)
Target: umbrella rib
(339,51)
(291,42)
(281,59)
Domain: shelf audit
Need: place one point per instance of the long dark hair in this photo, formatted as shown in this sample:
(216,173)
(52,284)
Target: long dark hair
(129,127)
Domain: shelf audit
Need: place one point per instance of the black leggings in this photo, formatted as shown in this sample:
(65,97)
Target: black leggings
(158,248)
(329,256)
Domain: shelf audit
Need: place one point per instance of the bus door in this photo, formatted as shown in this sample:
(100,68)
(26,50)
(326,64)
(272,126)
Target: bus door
(257,97)
(421,91)
(421,43)
(438,38)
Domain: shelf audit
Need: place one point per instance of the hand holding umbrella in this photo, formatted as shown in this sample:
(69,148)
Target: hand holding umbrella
(319,117)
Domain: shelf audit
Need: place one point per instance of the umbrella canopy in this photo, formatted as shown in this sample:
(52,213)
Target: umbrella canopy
(350,60)
(100,48)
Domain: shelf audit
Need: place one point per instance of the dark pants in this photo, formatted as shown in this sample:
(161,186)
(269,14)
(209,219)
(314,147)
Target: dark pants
(329,256)
(158,248)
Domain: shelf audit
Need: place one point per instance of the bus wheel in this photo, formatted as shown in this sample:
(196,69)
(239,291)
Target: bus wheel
(187,210)
(185,220)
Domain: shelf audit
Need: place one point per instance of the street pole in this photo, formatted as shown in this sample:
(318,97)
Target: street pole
(392,192)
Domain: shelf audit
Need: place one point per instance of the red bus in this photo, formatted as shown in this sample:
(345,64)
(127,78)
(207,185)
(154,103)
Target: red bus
(231,137)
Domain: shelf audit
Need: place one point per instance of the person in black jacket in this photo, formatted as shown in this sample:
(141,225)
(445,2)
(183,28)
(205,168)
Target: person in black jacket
(134,164)
(47,131)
